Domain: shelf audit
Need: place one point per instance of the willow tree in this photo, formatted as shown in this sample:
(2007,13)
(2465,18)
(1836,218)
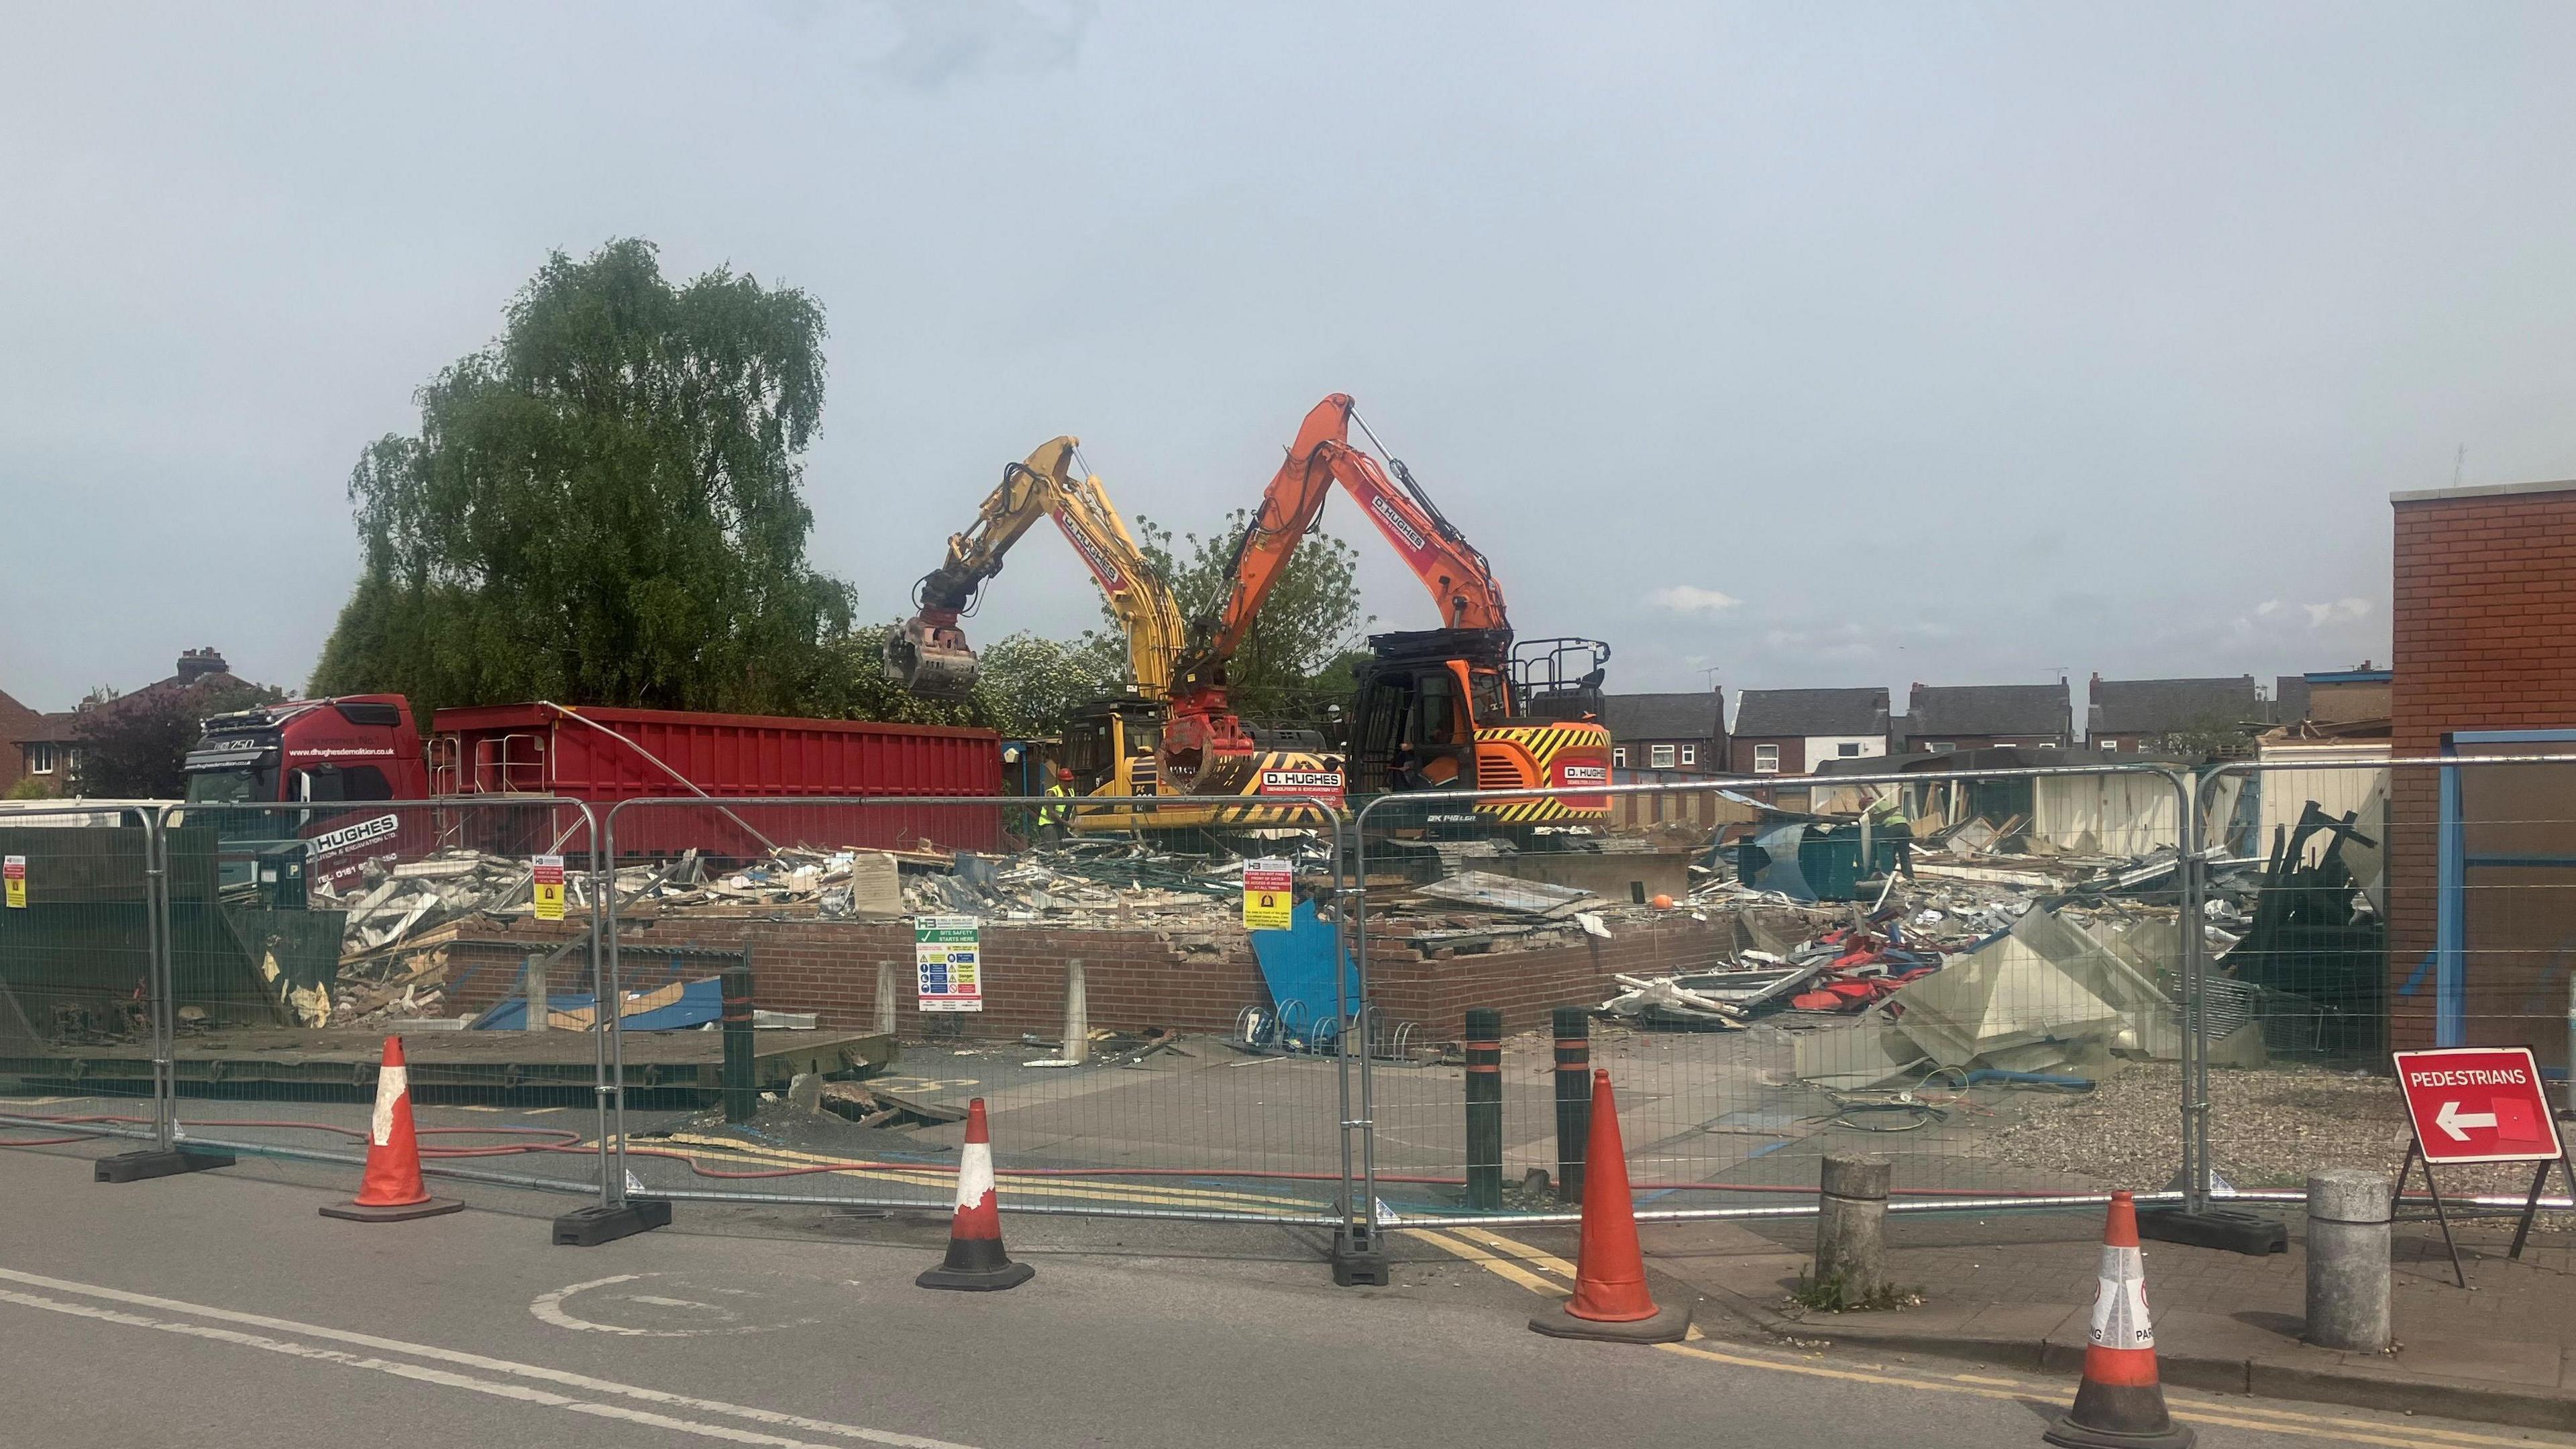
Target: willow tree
(604,506)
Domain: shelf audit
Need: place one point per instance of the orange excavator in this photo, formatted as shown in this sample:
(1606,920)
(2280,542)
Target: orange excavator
(1457,707)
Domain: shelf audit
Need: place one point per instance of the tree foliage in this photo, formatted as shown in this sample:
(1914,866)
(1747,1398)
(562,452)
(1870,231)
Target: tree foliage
(132,747)
(1297,658)
(604,506)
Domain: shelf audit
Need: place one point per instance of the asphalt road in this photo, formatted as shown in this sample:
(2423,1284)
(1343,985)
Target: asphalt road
(220,1309)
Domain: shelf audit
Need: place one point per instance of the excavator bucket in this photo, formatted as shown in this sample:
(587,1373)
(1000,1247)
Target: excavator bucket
(930,661)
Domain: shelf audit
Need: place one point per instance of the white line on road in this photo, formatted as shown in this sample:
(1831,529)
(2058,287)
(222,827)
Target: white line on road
(455,1356)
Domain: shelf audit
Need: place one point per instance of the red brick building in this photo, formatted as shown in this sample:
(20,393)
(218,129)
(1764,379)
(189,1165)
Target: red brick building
(2482,860)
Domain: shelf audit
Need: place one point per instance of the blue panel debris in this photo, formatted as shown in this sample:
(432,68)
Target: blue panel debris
(1297,963)
(701,1003)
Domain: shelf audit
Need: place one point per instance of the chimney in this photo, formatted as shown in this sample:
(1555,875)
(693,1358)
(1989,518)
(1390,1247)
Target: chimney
(196,664)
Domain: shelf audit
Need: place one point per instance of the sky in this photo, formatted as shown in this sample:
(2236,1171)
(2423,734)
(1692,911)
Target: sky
(1780,345)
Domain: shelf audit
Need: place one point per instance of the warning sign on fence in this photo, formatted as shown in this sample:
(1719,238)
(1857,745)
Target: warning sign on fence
(947,956)
(2477,1104)
(1269,894)
(549,888)
(14,872)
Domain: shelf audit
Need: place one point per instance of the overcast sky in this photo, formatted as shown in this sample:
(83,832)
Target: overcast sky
(1812,345)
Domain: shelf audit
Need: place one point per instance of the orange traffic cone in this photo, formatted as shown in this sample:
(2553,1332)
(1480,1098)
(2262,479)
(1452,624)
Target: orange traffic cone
(391,1191)
(1610,1301)
(2121,1402)
(976,1261)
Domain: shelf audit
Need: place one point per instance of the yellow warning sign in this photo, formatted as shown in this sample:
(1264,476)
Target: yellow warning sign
(549,887)
(14,872)
(1269,895)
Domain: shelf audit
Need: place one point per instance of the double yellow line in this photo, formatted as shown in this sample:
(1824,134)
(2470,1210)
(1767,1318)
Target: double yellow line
(1188,1198)
(1546,1274)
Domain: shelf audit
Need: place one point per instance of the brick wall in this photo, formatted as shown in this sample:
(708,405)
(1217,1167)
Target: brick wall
(1793,753)
(2484,615)
(1131,978)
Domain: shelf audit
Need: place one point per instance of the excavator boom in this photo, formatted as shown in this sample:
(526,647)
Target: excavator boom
(928,654)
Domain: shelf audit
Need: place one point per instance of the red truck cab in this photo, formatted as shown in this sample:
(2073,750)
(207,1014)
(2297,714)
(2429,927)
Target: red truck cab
(337,755)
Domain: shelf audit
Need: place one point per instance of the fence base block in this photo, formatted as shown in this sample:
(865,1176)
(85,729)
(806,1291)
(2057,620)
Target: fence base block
(588,1227)
(2217,1228)
(1360,1268)
(153,1162)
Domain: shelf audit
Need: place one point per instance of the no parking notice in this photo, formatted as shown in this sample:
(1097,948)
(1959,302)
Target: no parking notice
(2478,1104)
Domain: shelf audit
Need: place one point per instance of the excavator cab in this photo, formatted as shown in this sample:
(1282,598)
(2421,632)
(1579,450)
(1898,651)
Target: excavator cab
(1110,746)
(1421,701)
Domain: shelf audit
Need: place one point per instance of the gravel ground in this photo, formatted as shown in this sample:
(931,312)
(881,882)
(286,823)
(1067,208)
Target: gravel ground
(2267,1128)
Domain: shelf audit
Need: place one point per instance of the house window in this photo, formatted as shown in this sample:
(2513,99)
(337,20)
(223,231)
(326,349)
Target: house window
(1659,757)
(1766,759)
(40,759)
(1619,756)
(1848,751)
(1940,747)
(1690,754)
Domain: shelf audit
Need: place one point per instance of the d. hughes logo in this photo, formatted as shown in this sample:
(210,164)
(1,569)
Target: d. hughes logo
(1301,782)
(349,837)
(1585,774)
(1411,535)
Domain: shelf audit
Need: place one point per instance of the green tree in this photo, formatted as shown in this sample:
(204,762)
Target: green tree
(132,747)
(1031,687)
(604,506)
(1297,658)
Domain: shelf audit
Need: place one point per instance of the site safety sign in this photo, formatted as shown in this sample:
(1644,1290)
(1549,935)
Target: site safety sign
(1269,895)
(549,888)
(13,871)
(2478,1104)
(947,960)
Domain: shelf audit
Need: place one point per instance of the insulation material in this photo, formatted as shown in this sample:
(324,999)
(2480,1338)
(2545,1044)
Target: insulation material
(2006,994)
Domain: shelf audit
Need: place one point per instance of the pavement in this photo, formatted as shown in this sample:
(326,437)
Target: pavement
(220,1308)
(2015,1291)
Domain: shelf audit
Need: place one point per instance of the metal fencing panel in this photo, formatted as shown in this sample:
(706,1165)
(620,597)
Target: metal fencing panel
(2358,906)
(299,937)
(1981,973)
(859,970)
(84,1020)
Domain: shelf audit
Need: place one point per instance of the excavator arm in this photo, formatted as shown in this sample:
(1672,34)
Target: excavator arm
(928,654)
(1461,583)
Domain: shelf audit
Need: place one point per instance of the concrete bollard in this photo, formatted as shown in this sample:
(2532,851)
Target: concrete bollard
(885,998)
(2348,1209)
(1077,1015)
(1851,1224)
(540,1008)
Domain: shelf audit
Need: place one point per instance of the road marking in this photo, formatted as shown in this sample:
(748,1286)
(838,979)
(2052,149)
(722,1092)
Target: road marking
(1503,1268)
(538,1372)
(946,1181)
(548,1307)
(2226,1413)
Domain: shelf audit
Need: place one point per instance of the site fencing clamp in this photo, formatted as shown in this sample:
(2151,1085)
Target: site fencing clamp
(147,816)
(2190,968)
(611,981)
(2448,875)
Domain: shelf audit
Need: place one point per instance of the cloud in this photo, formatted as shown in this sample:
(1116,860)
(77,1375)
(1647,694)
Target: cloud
(1691,599)
(928,43)
(2341,611)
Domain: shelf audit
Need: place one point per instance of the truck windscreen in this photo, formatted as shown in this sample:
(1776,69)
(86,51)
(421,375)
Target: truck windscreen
(248,784)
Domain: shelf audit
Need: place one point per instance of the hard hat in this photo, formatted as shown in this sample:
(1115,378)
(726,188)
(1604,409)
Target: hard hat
(1062,773)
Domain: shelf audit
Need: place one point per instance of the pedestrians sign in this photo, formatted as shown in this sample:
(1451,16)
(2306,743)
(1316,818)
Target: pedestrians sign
(2478,1104)
(549,887)
(947,958)
(1269,895)
(13,871)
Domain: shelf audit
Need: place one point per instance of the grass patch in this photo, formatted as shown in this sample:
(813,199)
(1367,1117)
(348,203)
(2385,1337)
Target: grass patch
(1838,1294)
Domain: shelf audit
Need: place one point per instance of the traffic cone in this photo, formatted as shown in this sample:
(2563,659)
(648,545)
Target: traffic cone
(2121,1402)
(976,1261)
(1610,1301)
(391,1190)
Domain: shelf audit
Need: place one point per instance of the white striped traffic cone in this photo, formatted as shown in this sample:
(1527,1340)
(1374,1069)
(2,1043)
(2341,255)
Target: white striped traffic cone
(391,1191)
(976,1261)
(2121,1402)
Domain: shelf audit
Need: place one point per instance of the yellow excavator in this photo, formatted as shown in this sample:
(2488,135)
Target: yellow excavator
(1111,744)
